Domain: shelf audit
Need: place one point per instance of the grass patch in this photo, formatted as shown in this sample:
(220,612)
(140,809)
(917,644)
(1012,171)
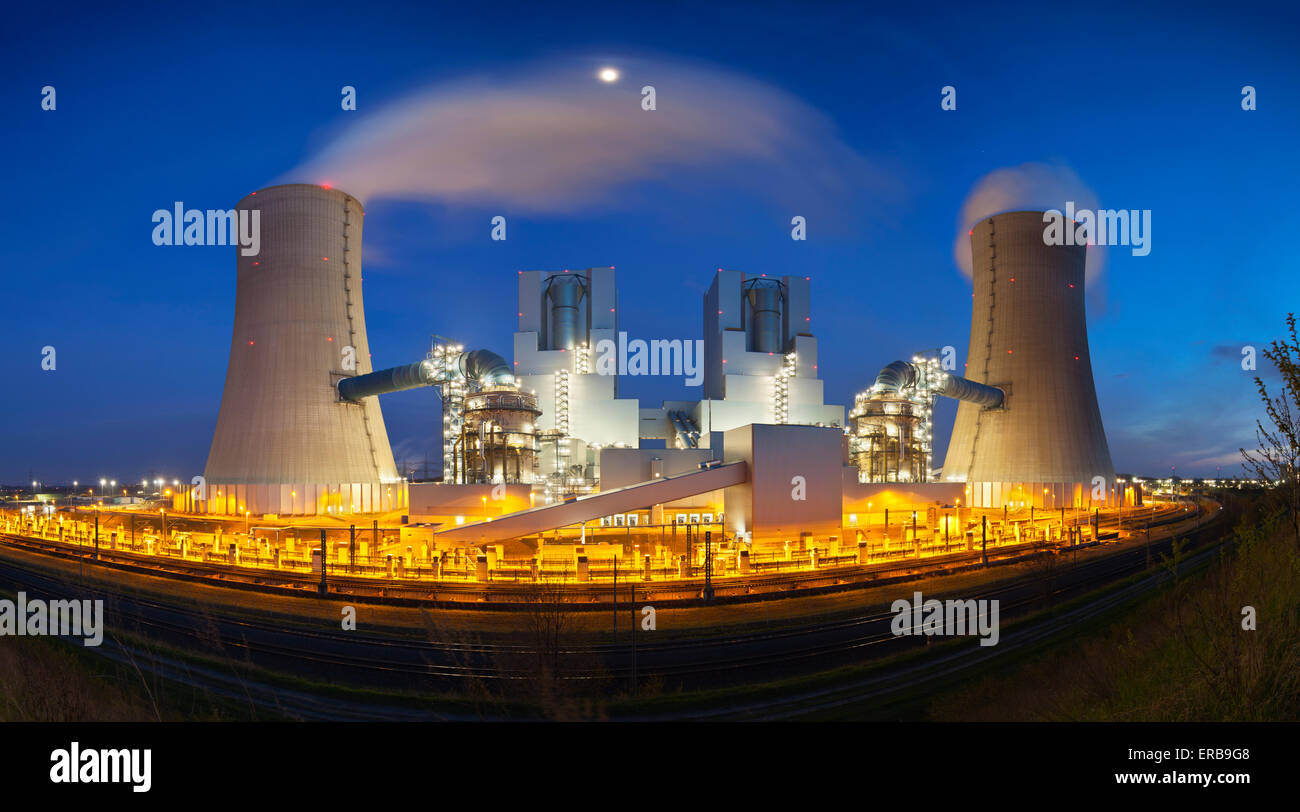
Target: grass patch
(1180,655)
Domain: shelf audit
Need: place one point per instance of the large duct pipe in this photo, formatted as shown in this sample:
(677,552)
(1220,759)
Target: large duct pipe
(764,297)
(566,293)
(902,374)
(967,391)
(685,428)
(485,368)
(481,367)
(895,377)
(393,379)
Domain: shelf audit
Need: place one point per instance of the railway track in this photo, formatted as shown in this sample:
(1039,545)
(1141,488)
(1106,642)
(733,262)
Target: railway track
(880,687)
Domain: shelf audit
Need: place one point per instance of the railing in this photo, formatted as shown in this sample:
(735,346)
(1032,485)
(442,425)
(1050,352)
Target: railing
(189,546)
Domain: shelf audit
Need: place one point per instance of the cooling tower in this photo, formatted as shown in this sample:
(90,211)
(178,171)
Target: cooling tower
(285,442)
(1029,337)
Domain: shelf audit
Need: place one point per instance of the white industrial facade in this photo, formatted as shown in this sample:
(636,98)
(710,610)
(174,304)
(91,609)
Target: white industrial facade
(562,316)
(749,376)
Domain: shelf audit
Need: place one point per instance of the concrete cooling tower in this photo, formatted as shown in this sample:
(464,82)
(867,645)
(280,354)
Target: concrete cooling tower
(285,442)
(1029,337)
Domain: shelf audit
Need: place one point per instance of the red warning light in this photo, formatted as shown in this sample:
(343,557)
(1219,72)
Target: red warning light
(331,338)
(1076,358)
(326,186)
(250,343)
(325,259)
(1008,352)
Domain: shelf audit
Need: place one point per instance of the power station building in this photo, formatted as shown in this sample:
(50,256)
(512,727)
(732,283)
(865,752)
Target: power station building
(544,441)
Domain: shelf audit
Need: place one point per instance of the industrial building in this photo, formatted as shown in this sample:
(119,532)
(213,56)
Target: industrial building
(542,446)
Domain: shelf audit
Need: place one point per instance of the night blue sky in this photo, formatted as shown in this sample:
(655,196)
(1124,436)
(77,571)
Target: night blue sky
(205,106)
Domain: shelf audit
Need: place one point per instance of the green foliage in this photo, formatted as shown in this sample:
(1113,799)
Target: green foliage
(1276,461)
(1180,656)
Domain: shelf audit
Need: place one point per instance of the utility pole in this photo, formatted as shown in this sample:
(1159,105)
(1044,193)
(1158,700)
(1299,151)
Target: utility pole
(352,548)
(97,535)
(635,621)
(616,600)
(916,540)
(690,564)
(984,540)
(376,529)
(1148,540)
(708,565)
(323,588)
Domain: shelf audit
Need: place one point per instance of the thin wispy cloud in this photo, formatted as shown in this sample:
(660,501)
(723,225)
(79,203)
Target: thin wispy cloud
(555,139)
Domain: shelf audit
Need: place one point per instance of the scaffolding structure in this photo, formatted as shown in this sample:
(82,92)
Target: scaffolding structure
(570,474)
(891,433)
(451,389)
(488,430)
(497,442)
(781,388)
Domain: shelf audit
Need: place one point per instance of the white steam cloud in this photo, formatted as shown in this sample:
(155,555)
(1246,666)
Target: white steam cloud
(1028,187)
(558,140)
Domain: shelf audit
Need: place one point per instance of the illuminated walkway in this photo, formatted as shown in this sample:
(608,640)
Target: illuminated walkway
(723,564)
